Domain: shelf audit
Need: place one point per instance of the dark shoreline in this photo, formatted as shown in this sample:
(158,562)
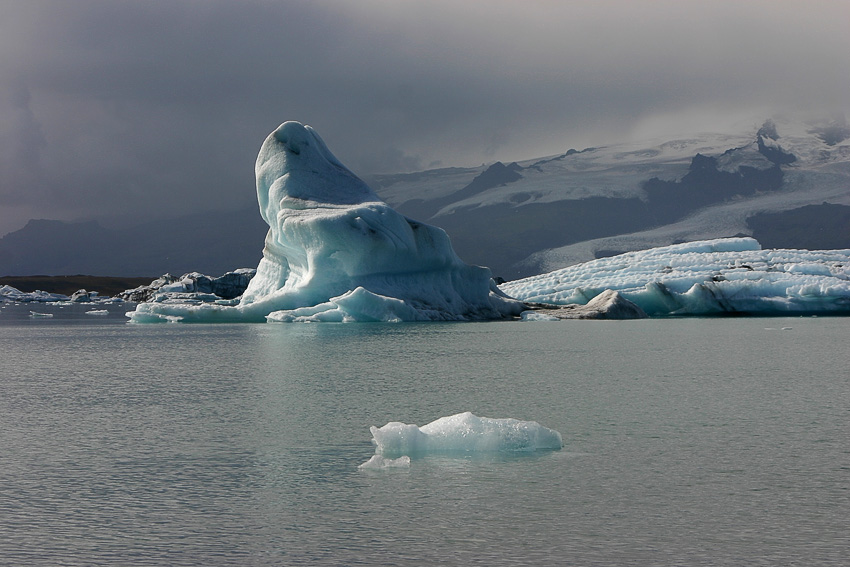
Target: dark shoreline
(66,285)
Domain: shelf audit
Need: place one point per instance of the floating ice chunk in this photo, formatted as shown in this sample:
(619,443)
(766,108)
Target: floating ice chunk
(731,275)
(358,305)
(37,315)
(537,316)
(377,462)
(12,295)
(83,296)
(193,288)
(607,305)
(464,433)
(98,312)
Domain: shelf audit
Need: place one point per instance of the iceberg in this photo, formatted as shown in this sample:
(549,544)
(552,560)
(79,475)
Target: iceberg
(83,296)
(377,462)
(193,287)
(463,433)
(9,294)
(607,305)
(336,252)
(710,277)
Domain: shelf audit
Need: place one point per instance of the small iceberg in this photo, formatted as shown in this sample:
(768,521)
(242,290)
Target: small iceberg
(9,294)
(37,315)
(709,277)
(100,312)
(378,463)
(460,434)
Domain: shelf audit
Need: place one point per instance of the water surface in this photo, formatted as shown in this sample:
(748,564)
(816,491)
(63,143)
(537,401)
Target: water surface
(686,442)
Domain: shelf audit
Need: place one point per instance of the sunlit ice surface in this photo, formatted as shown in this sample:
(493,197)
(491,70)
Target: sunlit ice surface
(711,277)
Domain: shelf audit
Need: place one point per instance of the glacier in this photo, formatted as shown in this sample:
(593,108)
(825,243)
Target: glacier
(336,252)
(459,434)
(710,277)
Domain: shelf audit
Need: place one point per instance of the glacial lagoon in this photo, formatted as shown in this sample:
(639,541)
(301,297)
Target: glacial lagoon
(715,441)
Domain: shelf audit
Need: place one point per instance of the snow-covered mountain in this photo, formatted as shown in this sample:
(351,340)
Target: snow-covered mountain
(787,183)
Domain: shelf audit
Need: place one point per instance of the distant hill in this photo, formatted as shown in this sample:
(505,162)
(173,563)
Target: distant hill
(785,183)
(212,243)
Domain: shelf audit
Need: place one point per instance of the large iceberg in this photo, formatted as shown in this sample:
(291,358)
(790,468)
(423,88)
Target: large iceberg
(711,277)
(335,251)
(463,433)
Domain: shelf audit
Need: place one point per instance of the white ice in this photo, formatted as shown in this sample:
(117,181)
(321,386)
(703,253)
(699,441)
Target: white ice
(9,294)
(335,251)
(377,462)
(463,433)
(731,275)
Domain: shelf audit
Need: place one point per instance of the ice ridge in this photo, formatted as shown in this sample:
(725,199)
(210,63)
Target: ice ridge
(710,277)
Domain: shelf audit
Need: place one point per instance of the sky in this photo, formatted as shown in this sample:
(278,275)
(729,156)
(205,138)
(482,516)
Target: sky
(132,110)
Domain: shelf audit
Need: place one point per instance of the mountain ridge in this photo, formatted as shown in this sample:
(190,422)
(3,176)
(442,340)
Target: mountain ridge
(529,216)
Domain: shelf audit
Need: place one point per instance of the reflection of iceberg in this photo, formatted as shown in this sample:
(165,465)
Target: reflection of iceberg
(464,433)
(732,275)
(335,251)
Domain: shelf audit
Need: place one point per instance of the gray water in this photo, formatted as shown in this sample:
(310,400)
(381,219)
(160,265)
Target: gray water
(686,442)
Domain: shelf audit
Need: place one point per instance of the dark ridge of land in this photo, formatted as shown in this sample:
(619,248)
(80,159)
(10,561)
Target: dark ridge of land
(66,285)
(812,227)
(210,243)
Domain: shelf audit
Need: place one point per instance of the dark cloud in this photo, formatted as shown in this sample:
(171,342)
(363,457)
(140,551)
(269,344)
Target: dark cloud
(111,107)
(21,144)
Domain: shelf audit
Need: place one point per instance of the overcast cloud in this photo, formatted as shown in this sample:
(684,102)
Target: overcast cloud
(134,109)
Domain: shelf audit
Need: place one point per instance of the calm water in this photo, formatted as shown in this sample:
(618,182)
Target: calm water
(687,442)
